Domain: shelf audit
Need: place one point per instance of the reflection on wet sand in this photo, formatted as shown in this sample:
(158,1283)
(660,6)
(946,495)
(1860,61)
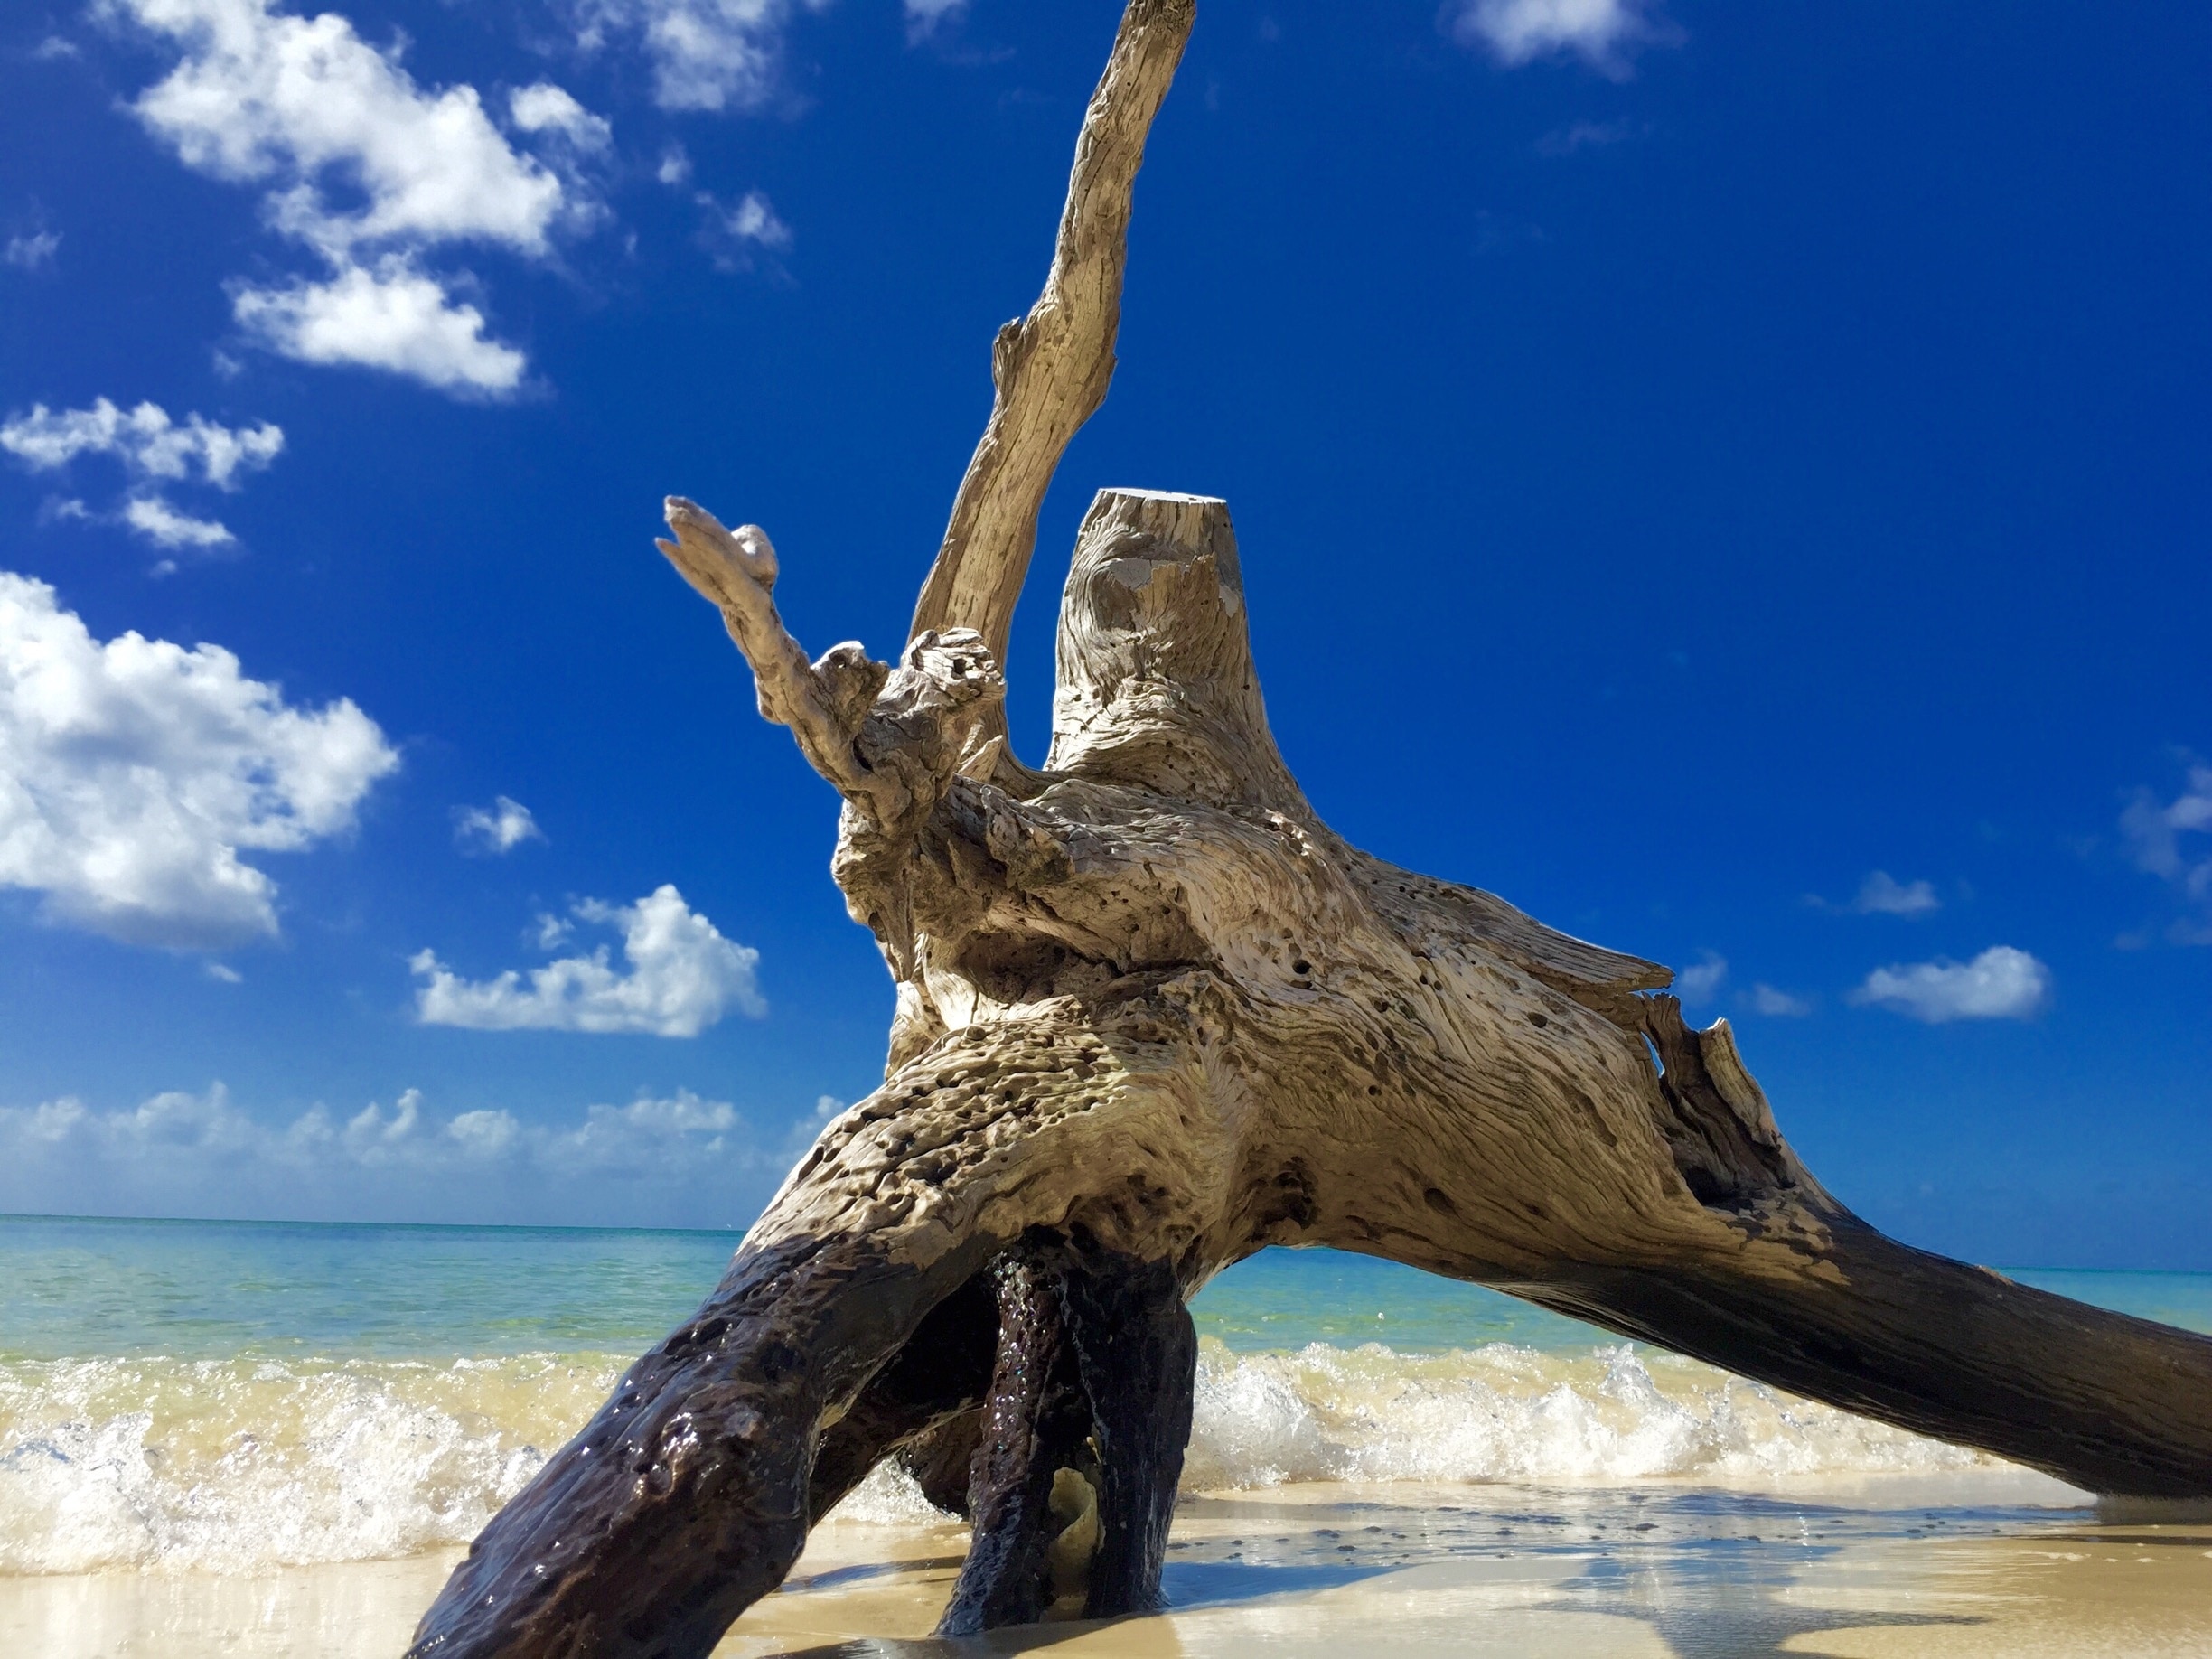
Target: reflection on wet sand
(1324,1572)
(1329,1572)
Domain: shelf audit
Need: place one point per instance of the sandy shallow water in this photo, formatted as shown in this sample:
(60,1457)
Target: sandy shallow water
(1329,1570)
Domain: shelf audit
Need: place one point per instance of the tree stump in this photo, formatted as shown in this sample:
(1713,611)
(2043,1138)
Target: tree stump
(1153,1016)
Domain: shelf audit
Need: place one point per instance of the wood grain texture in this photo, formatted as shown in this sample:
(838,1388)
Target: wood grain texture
(1051,368)
(1153,1011)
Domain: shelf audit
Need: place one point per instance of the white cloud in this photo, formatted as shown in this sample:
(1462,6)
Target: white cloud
(645,1135)
(683,977)
(2002,983)
(1766,1000)
(2156,832)
(205,1150)
(263,97)
(675,166)
(368,169)
(753,220)
(27,253)
(706,55)
(149,444)
(1701,981)
(735,233)
(1883,894)
(146,440)
(1602,33)
(159,522)
(134,772)
(547,108)
(499,828)
(392,318)
(923,16)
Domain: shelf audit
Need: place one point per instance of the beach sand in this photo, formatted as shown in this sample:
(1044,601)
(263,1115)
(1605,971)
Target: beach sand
(1332,1571)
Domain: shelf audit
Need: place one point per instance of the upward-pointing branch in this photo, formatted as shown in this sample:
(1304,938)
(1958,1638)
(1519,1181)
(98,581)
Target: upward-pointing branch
(1051,368)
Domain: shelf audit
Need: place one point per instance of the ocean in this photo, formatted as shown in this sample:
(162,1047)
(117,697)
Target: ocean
(230,1399)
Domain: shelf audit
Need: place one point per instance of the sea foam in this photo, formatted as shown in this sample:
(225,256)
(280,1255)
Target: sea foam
(1502,1412)
(236,1465)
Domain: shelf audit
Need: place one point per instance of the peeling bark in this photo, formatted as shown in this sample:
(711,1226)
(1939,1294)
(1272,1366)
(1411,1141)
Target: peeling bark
(1155,1016)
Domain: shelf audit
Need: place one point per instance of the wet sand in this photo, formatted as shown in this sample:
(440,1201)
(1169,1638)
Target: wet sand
(1872,1572)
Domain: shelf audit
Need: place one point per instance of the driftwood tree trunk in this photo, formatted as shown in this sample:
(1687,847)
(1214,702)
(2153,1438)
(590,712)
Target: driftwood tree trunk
(1154,1015)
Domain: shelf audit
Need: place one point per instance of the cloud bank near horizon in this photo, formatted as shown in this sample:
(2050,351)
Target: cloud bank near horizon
(656,1160)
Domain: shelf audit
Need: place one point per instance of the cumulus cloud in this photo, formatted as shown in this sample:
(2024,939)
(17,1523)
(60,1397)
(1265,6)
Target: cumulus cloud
(753,220)
(682,977)
(186,1150)
(2002,983)
(1602,33)
(159,522)
(1702,980)
(735,234)
(645,1135)
(1764,999)
(2165,837)
(146,441)
(370,171)
(499,828)
(1883,894)
(151,447)
(392,317)
(134,774)
(28,252)
(706,55)
(292,103)
(544,108)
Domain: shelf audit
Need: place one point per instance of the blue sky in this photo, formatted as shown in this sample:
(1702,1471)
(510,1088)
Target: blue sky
(1729,478)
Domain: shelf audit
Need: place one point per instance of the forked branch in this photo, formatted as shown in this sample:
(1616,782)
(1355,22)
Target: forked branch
(1051,368)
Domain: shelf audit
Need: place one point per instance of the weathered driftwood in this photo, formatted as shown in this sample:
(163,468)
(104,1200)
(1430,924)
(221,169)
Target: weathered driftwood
(1154,1015)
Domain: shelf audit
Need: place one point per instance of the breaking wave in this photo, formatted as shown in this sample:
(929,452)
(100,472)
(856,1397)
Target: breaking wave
(239,1465)
(1508,1414)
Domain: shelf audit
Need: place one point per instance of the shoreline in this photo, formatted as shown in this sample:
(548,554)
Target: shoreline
(1878,1569)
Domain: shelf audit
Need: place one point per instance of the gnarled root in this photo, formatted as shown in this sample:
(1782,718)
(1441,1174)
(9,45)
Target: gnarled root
(1082,1437)
(854,1321)
(690,1493)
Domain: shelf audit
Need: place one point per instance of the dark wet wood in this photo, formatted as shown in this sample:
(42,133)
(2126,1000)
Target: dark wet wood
(1036,1422)
(2117,1405)
(1095,1365)
(688,1496)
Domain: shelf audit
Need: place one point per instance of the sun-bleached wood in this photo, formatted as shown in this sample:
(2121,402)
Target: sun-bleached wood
(1154,1015)
(1050,370)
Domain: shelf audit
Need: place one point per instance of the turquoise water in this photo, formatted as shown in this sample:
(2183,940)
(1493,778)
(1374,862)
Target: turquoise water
(226,1396)
(76,1288)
